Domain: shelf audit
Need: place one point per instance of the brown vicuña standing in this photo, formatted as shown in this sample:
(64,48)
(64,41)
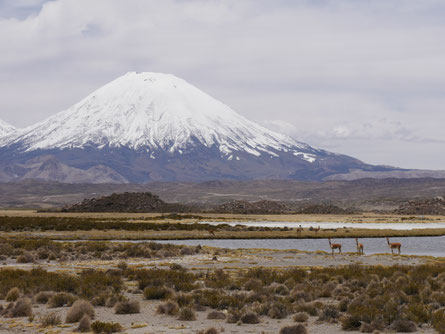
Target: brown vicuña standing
(212,232)
(334,246)
(299,230)
(359,246)
(394,245)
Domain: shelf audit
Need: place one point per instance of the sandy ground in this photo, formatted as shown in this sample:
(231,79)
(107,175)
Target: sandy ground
(357,218)
(236,259)
(148,321)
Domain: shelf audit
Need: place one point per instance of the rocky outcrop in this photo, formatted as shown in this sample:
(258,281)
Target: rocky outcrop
(432,206)
(128,202)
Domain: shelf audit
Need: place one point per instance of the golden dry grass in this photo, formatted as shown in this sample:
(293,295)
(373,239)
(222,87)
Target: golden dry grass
(316,218)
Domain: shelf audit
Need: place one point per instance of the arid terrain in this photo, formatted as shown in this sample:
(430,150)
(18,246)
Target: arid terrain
(55,286)
(365,194)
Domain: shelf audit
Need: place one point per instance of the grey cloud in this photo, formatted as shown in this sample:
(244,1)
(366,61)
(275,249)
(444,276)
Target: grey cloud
(344,74)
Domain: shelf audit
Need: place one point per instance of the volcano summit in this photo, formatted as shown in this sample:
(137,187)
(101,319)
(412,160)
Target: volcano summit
(145,127)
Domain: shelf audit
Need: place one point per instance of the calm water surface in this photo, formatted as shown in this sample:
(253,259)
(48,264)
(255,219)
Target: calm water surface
(432,246)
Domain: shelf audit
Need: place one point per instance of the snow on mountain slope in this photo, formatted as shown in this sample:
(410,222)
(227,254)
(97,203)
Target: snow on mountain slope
(151,112)
(5,128)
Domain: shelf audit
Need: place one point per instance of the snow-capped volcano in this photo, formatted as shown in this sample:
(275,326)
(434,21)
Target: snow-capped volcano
(6,128)
(145,127)
(150,112)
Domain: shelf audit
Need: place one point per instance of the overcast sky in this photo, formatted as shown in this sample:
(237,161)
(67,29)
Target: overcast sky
(363,78)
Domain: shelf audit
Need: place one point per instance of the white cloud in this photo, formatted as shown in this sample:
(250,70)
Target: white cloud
(343,74)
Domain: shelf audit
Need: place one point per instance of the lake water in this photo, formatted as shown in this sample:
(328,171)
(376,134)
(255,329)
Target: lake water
(337,225)
(430,246)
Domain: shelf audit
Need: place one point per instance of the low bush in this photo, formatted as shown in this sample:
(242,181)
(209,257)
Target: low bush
(78,310)
(329,314)
(186,314)
(61,299)
(350,322)
(216,315)
(367,328)
(301,317)
(105,327)
(50,319)
(169,308)
(22,308)
(155,292)
(404,326)
(13,295)
(250,318)
(127,307)
(43,296)
(233,316)
(297,329)
(84,324)
(25,258)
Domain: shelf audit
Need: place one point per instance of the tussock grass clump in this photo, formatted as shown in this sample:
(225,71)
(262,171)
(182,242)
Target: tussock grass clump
(87,284)
(105,327)
(78,310)
(329,313)
(404,326)
(169,308)
(233,316)
(310,308)
(43,296)
(186,314)
(350,322)
(250,318)
(25,258)
(277,310)
(22,308)
(297,329)
(301,317)
(61,299)
(13,295)
(127,307)
(367,328)
(156,292)
(216,315)
(211,330)
(84,324)
(439,321)
(50,319)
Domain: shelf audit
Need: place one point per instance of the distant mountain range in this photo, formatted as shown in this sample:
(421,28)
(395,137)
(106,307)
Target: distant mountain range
(145,127)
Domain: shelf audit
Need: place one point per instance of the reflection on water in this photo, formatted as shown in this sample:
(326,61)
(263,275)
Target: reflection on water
(432,246)
(324,225)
